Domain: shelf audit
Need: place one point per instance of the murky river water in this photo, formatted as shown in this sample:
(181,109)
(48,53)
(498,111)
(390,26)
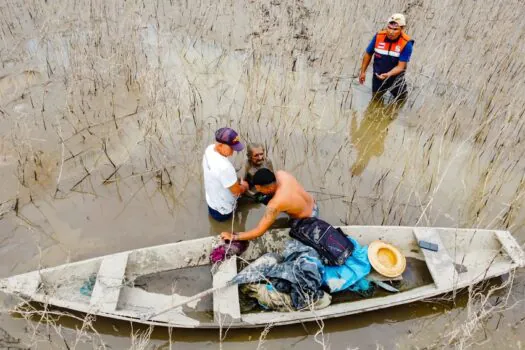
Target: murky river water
(107,108)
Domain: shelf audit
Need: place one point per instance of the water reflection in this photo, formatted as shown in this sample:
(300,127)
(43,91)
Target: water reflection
(369,137)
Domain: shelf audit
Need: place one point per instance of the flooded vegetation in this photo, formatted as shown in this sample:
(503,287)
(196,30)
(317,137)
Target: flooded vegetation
(106,108)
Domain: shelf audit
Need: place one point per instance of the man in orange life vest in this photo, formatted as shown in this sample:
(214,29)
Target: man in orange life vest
(392,49)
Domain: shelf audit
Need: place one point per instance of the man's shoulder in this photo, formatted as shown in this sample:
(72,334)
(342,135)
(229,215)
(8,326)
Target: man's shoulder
(216,161)
(406,37)
(209,152)
(277,203)
(225,164)
(285,176)
(281,175)
(406,53)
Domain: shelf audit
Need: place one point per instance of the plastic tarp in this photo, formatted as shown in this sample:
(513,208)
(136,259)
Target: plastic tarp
(296,272)
(300,272)
(351,275)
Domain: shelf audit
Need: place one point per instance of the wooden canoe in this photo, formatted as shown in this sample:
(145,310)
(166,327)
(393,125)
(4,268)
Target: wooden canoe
(482,254)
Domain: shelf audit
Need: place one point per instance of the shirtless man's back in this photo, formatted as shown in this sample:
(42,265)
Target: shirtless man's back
(290,197)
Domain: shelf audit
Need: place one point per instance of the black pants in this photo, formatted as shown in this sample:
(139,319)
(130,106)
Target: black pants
(396,85)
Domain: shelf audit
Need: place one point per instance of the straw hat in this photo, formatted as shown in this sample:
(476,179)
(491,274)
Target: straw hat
(386,259)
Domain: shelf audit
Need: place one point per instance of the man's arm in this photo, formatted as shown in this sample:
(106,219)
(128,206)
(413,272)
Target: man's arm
(367,57)
(238,188)
(228,179)
(364,65)
(267,220)
(400,68)
(404,57)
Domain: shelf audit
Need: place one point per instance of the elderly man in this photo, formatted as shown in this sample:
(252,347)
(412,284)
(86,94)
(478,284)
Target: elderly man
(220,179)
(256,160)
(288,197)
(392,49)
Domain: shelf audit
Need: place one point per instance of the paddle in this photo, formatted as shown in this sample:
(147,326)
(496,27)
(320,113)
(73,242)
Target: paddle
(386,286)
(249,274)
(189,300)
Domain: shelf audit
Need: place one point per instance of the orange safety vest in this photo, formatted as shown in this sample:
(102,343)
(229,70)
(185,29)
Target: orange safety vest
(387,52)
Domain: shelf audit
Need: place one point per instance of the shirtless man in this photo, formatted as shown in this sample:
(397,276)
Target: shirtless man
(288,197)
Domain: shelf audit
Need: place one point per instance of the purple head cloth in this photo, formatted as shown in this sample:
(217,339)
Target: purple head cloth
(227,250)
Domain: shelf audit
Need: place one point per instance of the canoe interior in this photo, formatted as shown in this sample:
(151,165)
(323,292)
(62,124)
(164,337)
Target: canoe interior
(135,283)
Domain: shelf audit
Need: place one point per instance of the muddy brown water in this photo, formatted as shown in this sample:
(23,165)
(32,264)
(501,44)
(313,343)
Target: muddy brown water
(104,122)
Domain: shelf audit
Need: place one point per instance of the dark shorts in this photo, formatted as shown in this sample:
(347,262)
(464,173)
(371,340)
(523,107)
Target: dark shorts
(396,85)
(218,216)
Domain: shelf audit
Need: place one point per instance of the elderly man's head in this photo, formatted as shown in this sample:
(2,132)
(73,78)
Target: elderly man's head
(396,24)
(255,154)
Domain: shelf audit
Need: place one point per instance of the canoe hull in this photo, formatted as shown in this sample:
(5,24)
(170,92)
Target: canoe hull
(485,254)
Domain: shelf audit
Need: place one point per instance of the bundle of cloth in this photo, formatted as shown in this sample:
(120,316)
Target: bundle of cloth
(297,279)
(294,272)
(226,250)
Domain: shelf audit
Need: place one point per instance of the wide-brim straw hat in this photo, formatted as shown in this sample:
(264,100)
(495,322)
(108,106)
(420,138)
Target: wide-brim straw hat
(386,259)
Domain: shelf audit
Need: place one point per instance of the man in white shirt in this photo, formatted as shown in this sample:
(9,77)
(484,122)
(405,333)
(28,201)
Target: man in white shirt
(220,179)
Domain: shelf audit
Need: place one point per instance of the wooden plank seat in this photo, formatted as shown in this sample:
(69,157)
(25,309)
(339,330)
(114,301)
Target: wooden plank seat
(440,264)
(106,291)
(511,247)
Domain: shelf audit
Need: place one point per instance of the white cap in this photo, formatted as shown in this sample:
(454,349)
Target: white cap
(399,18)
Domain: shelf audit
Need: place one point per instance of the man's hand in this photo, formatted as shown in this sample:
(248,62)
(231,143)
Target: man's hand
(227,236)
(364,65)
(382,76)
(244,185)
(362,78)
(239,187)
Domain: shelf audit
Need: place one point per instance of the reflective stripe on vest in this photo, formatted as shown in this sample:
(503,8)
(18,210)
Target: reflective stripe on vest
(386,52)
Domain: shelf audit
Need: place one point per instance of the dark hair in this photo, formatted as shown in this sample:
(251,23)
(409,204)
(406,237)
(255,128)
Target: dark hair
(264,177)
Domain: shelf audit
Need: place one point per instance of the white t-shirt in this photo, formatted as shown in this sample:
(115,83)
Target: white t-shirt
(219,176)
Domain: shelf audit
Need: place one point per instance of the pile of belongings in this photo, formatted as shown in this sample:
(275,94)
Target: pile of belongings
(342,261)
(301,278)
(319,259)
(295,273)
